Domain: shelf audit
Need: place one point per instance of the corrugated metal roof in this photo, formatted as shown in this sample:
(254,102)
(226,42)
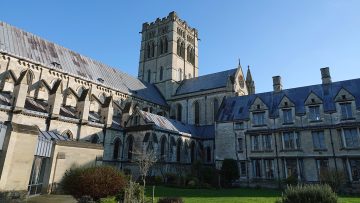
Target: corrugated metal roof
(205,82)
(237,108)
(31,47)
(179,127)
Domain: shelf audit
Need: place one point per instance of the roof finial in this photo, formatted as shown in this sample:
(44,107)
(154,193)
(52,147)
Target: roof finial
(239,62)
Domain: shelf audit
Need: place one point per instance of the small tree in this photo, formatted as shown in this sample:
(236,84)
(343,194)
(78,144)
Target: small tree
(145,160)
(229,170)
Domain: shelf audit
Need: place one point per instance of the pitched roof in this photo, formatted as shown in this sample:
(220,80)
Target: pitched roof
(163,123)
(237,108)
(205,82)
(33,48)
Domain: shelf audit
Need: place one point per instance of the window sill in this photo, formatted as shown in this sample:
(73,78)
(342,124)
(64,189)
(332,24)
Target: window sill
(260,125)
(261,151)
(350,148)
(348,119)
(288,123)
(291,150)
(320,150)
(315,121)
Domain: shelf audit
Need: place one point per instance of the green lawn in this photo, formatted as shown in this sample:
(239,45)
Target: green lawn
(243,195)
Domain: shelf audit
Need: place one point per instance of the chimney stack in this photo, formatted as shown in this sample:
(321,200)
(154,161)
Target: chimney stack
(325,75)
(277,83)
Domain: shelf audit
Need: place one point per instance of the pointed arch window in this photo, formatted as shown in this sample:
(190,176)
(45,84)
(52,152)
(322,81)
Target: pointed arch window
(165,45)
(148,50)
(116,151)
(178,50)
(179,112)
(192,152)
(163,148)
(152,49)
(148,75)
(161,73)
(178,150)
(215,108)
(130,143)
(161,47)
(197,113)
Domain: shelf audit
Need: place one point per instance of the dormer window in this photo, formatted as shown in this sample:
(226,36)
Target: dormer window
(287,116)
(346,111)
(56,64)
(314,113)
(259,118)
(100,80)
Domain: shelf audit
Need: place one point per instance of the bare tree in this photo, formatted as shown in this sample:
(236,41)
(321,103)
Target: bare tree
(145,160)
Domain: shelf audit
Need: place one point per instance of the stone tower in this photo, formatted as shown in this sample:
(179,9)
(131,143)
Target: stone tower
(168,54)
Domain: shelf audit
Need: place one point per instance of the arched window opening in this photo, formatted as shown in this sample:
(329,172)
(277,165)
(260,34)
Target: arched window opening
(161,73)
(68,134)
(161,47)
(179,112)
(130,143)
(148,75)
(116,151)
(178,50)
(152,49)
(165,45)
(208,154)
(178,150)
(215,108)
(188,54)
(94,139)
(148,50)
(182,50)
(163,148)
(192,152)
(197,113)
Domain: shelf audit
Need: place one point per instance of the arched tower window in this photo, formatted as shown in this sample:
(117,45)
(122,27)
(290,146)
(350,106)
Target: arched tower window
(179,112)
(161,73)
(165,45)
(178,50)
(148,50)
(149,75)
(152,49)
(188,53)
(178,150)
(182,50)
(116,151)
(197,113)
(215,108)
(161,47)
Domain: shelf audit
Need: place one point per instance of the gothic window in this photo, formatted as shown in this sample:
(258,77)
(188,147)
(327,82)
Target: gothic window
(178,50)
(215,109)
(163,148)
(161,73)
(67,134)
(148,50)
(178,150)
(178,112)
(130,143)
(116,151)
(208,154)
(188,54)
(152,49)
(182,50)
(197,112)
(165,45)
(161,47)
(148,75)
(241,81)
(192,152)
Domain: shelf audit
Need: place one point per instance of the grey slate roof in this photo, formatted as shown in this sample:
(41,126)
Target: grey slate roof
(31,47)
(163,123)
(237,108)
(205,82)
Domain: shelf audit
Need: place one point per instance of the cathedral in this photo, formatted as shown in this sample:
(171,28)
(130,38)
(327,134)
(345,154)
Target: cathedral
(60,109)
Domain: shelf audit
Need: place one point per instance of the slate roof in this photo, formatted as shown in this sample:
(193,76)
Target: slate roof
(5,99)
(237,108)
(205,82)
(33,48)
(163,123)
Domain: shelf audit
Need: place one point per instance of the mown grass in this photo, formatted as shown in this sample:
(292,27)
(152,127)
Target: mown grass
(243,195)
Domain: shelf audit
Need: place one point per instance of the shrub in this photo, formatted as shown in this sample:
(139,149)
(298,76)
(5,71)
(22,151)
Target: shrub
(229,171)
(309,194)
(335,179)
(108,200)
(291,180)
(170,200)
(13,196)
(133,193)
(96,182)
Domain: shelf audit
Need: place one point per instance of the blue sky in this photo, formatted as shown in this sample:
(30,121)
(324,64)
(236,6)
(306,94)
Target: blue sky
(290,38)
